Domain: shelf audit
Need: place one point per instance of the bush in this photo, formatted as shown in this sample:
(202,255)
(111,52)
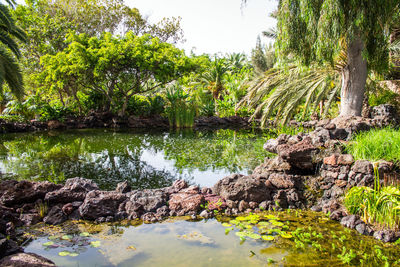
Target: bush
(376,144)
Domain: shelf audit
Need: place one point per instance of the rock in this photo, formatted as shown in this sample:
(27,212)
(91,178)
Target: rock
(345,159)
(150,199)
(284,181)
(237,187)
(350,221)
(101,204)
(26,260)
(280,199)
(75,189)
(179,185)
(30,218)
(123,187)
(204,214)
(331,160)
(54,125)
(26,192)
(276,164)
(182,203)
(363,166)
(271,145)
(299,155)
(150,217)
(243,205)
(162,212)
(385,235)
(338,134)
(8,247)
(385,115)
(55,215)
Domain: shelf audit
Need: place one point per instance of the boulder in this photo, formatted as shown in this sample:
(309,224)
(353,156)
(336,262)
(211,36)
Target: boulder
(55,215)
(363,166)
(75,189)
(149,200)
(101,204)
(8,247)
(184,203)
(284,181)
(215,202)
(54,125)
(237,187)
(26,192)
(299,155)
(25,260)
(123,187)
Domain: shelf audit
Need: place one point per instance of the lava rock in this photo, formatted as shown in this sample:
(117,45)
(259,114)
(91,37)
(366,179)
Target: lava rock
(101,204)
(75,189)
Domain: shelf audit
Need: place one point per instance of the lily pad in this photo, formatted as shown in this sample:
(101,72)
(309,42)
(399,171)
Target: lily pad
(241,218)
(131,248)
(84,234)
(226,225)
(64,253)
(276,223)
(286,235)
(95,244)
(227,230)
(74,254)
(241,234)
(254,236)
(268,237)
(66,237)
(47,244)
(263,223)
(234,222)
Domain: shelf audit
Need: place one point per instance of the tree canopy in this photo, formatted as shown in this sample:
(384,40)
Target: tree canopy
(113,66)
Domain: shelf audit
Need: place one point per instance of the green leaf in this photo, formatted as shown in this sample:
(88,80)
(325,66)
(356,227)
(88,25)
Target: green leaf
(95,244)
(73,254)
(268,237)
(226,225)
(64,253)
(66,237)
(48,243)
(85,234)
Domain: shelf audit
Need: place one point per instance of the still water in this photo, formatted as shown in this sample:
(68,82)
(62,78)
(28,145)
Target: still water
(145,160)
(290,238)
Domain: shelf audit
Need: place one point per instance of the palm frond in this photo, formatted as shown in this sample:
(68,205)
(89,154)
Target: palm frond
(10,72)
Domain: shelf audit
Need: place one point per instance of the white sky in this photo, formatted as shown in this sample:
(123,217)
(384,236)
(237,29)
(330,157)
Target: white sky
(212,26)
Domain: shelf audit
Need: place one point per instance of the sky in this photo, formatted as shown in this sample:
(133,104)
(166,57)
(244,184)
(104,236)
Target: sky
(214,26)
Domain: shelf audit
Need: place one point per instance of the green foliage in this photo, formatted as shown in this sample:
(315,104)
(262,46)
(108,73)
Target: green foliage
(383,96)
(313,30)
(115,67)
(379,206)
(262,57)
(180,110)
(10,71)
(376,144)
(279,92)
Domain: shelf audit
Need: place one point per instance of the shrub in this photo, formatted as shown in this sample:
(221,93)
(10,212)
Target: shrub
(376,144)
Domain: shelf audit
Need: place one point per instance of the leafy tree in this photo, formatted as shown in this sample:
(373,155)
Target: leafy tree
(47,23)
(9,68)
(262,58)
(115,67)
(319,30)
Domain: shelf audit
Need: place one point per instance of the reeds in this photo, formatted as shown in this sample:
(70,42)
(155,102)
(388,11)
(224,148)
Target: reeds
(180,109)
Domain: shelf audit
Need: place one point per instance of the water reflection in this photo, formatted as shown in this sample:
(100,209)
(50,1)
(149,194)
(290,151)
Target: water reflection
(146,160)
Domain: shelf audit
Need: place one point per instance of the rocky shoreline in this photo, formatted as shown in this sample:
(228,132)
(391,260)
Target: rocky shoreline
(109,120)
(310,171)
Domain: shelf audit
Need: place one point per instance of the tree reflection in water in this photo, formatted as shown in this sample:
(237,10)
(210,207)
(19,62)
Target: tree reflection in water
(109,157)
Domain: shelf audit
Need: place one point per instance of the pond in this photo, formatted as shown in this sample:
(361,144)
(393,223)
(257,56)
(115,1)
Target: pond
(289,238)
(145,159)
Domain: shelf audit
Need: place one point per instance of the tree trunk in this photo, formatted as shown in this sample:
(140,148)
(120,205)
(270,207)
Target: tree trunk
(354,77)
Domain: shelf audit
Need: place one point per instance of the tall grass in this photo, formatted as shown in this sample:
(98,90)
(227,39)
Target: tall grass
(376,144)
(379,206)
(180,110)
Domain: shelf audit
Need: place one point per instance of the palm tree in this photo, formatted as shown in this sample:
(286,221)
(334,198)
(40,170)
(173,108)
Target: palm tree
(10,71)
(213,78)
(280,91)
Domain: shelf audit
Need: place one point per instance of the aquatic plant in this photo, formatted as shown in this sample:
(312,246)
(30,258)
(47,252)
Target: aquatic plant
(376,144)
(180,110)
(380,205)
(42,209)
